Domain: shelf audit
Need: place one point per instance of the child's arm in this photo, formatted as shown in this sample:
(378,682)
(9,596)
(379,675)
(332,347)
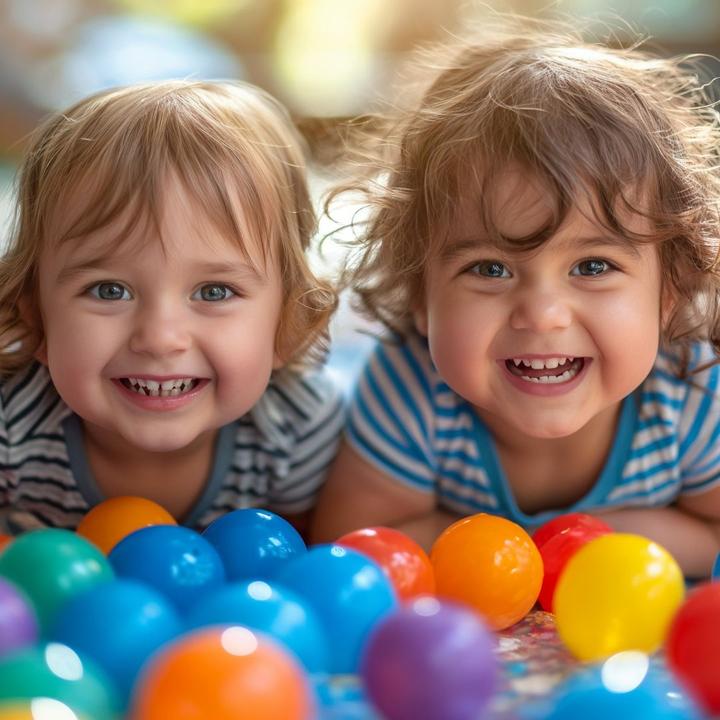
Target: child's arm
(688,534)
(358,495)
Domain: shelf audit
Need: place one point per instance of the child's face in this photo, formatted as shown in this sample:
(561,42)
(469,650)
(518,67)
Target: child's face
(159,342)
(580,296)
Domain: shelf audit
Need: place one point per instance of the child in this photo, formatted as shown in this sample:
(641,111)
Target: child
(156,309)
(543,244)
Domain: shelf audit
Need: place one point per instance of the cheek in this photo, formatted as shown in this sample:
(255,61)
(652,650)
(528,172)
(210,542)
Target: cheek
(460,339)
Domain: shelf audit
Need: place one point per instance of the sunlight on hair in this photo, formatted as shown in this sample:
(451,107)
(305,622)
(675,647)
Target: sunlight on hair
(325,60)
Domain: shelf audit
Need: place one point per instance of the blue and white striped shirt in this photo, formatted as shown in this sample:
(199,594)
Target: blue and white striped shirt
(406,421)
(276,456)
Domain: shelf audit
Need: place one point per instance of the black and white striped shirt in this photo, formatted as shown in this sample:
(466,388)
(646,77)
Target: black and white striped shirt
(274,457)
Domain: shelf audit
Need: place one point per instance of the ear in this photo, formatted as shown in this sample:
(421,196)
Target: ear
(668,304)
(278,361)
(30,315)
(420,319)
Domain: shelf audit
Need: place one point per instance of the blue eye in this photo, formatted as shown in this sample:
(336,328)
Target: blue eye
(592,267)
(490,269)
(110,291)
(213,293)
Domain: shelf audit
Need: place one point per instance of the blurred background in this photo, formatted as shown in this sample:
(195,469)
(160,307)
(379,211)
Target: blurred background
(327,60)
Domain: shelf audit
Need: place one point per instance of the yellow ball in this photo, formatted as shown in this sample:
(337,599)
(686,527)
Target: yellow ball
(618,592)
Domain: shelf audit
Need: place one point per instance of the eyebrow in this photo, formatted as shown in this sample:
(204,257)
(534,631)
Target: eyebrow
(205,268)
(461,246)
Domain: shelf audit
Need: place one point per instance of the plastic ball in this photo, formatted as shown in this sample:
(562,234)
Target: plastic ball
(432,660)
(491,564)
(118,624)
(556,552)
(340,697)
(39,709)
(18,622)
(271,609)
(223,673)
(569,521)
(716,568)
(176,561)
(113,519)
(349,594)
(400,557)
(5,540)
(693,645)
(618,592)
(254,544)
(624,686)
(50,566)
(57,672)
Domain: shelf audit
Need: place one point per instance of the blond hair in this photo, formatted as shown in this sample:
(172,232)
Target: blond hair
(582,118)
(113,151)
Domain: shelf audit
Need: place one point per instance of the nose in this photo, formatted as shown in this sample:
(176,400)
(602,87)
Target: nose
(541,310)
(160,329)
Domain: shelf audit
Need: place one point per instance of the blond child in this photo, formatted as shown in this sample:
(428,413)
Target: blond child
(543,245)
(158,316)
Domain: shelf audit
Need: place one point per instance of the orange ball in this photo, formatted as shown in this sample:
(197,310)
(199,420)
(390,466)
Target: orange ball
(491,564)
(403,561)
(4,540)
(112,520)
(223,673)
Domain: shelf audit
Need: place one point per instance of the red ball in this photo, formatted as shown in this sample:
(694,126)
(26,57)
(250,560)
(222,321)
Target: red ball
(403,561)
(556,552)
(693,645)
(567,522)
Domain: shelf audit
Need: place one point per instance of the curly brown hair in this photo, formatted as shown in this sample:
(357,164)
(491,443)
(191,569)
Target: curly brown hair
(107,159)
(633,130)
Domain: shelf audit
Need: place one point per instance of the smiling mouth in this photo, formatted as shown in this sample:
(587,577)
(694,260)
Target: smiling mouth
(551,371)
(154,388)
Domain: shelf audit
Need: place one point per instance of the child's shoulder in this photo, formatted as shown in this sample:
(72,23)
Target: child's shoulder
(295,403)
(30,386)
(681,380)
(403,354)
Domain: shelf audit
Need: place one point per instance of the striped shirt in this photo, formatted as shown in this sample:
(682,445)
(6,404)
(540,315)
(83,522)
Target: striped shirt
(276,456)
(407,422)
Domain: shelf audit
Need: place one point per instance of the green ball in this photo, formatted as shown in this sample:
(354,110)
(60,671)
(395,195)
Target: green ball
(58,672)
(51,566)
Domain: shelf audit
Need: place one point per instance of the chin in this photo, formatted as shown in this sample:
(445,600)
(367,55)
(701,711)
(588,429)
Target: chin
(161,443)
(549,431)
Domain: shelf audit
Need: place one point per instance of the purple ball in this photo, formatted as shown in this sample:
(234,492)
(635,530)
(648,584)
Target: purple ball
(18,622)
(430,659)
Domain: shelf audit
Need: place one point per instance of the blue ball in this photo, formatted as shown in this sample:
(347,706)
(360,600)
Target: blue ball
(268,608)
(174,560)
(118,624)
(626,685)
(254,544)
(716,568)
(348,592)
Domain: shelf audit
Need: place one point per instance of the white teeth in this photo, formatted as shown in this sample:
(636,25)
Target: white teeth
(552,379)
(538,364)
(167,388)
